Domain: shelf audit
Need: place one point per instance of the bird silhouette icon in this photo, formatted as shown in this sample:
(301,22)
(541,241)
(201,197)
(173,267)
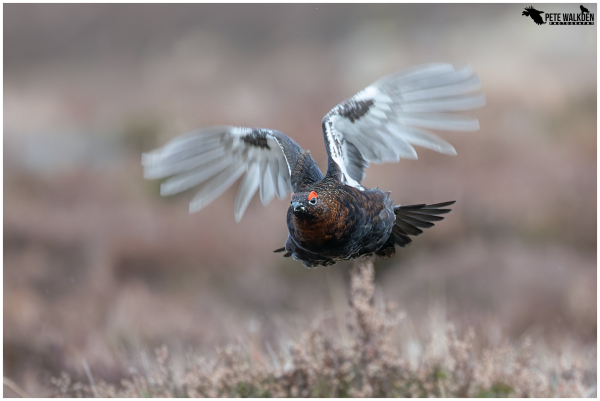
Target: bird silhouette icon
(331,217)
(584,10)
(534,14)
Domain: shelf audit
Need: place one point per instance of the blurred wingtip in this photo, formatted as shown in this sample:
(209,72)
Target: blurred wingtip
(165,190)
(194,207)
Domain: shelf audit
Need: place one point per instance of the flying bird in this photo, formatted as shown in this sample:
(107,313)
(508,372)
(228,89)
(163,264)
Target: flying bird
(534,14)
(584,10)
(331,217)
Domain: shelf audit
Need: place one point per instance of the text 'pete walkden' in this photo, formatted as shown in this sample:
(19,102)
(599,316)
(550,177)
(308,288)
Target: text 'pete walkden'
(569,18)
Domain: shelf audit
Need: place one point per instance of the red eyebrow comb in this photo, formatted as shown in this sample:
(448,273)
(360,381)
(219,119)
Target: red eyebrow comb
(311,195)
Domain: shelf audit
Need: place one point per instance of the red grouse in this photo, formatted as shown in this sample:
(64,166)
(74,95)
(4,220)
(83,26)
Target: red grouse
(331,217)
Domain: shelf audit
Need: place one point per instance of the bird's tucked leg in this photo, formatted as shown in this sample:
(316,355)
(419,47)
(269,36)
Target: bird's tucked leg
(308,259)
(286,255)
(388,249)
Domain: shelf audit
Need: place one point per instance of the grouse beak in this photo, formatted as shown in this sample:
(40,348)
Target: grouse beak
(298,207)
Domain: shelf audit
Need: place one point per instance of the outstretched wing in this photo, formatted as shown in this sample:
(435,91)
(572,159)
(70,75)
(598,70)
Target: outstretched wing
(384,121)
(217,156)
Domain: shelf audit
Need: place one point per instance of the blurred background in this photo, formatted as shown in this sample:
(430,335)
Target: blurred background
(98,266)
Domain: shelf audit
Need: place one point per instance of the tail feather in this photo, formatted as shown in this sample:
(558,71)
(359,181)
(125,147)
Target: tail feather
(408,228)
(400,237)
(286,255)
(424,217)
(417,222)
(410,219)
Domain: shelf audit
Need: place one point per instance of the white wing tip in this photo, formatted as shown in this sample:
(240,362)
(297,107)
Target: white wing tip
(195,207)
(483,100)
(450,151)
(150,158)
(265,202)
(474,126)
(166,190)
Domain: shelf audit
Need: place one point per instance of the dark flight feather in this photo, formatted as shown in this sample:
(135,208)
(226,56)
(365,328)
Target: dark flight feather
(424,217)
(408,218)
(408,228)
(416,222)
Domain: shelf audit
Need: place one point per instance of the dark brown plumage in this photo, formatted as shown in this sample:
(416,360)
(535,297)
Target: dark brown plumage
(331,217)
(330,221)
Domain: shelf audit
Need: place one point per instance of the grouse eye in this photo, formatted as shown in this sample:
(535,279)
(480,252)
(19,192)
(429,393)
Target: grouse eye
(312,197)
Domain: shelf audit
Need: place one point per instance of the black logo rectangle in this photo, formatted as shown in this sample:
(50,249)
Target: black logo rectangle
(585,17)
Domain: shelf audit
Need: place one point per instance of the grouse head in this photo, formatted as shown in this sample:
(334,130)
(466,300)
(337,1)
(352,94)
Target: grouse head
(307,206)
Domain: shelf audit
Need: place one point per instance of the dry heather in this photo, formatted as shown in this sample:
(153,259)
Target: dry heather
(367,364)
